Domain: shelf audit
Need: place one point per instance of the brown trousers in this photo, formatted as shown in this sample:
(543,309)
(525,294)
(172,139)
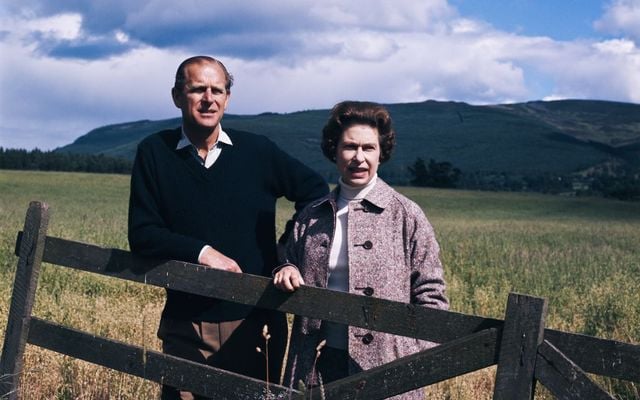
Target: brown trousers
(229,345)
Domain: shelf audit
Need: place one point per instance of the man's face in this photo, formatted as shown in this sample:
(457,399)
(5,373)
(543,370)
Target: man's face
(204,98)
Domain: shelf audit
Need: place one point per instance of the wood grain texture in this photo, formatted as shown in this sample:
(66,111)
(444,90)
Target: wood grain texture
(148,364)
(522,333)
(564,378)
(363,311)
(430,366)
(24,290)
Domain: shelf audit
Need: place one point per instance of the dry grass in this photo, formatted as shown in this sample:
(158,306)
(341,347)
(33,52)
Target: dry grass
(580,254)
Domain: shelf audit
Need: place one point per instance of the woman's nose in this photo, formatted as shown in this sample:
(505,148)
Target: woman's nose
(359,154)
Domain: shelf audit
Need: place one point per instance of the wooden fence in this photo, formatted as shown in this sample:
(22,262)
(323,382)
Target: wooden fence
(523,349)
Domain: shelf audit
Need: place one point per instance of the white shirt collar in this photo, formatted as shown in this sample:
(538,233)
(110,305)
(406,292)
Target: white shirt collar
(222,138)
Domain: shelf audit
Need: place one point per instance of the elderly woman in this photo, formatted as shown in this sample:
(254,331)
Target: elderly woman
(363,238)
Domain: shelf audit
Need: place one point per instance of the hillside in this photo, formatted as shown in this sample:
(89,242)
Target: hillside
(527,138)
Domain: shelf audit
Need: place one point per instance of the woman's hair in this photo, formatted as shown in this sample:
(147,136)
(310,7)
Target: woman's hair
(349,113)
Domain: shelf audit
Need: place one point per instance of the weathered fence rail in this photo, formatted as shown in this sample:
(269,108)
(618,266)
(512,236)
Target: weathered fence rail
(523,349)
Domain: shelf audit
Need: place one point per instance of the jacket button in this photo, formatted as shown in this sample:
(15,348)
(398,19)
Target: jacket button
(367,245)
(368,338)
(368,291)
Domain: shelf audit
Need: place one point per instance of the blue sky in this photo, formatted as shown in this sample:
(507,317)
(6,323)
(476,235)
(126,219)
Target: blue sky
(69,66)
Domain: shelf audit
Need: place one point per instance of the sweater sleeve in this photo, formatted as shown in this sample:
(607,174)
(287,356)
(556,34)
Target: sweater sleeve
(148,233)
(296,182)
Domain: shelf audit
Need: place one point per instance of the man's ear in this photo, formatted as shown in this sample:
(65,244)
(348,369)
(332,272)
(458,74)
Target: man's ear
(226,102)
(177,97)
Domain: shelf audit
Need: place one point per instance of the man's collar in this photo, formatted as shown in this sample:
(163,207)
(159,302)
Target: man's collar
(222,138)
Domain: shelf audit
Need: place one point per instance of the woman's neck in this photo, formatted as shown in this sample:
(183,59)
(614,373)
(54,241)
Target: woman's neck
(348,192)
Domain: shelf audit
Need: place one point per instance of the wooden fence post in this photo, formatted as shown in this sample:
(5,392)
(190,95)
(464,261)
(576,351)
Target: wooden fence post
(522,333)
(22,298)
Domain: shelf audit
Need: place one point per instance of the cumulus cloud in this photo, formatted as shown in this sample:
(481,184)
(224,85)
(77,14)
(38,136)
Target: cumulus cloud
(245,29)
(622,17)
(73,65)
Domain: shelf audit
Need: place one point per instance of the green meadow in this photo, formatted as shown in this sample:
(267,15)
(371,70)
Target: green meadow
(579,253)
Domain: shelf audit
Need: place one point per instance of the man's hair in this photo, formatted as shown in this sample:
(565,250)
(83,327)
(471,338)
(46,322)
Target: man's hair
(348,113)
(181,79)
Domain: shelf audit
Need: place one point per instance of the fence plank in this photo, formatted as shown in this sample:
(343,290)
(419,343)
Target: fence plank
(362,311)
(599,356)
(594,355)
(521,335)
(563,377)
(437,364)
(22,298)
(148,364)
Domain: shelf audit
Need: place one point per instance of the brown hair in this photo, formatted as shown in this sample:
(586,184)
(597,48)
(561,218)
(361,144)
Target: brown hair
(349,113)
(180,78)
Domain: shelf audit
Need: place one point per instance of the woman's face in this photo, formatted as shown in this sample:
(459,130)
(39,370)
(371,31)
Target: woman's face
(358,155)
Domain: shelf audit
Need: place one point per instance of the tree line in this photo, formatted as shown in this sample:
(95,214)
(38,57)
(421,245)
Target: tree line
(61,161)
(619,181)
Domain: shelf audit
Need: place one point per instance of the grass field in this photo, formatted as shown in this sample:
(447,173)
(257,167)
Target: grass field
(579,253)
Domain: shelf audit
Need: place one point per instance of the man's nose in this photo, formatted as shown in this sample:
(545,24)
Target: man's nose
(208,95)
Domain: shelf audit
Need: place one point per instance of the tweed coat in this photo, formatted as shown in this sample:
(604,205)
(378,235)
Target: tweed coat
(392,253)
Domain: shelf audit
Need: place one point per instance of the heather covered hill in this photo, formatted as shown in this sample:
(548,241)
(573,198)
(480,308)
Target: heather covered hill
(524,139)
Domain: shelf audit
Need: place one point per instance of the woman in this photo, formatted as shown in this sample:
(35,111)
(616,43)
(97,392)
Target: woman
(363,238)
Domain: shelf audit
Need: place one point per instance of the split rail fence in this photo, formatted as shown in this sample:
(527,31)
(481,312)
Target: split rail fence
(524,350)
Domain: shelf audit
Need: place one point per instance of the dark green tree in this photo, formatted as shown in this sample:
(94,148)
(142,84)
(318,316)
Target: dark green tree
(436,174)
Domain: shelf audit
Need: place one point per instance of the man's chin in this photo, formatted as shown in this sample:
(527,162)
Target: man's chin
(207,123)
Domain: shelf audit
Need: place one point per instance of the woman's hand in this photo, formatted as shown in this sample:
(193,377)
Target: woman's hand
(288,278)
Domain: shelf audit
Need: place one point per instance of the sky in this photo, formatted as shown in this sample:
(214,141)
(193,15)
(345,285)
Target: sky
(69,66)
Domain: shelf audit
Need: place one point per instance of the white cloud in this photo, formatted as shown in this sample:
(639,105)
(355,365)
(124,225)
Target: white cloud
(384,15)
(294,56)
(58,100)
(621,17)
(61,27)
(121,36)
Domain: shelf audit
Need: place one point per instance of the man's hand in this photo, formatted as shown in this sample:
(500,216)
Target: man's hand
(214,259)
(288,279)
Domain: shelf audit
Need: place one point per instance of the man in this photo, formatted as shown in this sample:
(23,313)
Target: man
(204,195)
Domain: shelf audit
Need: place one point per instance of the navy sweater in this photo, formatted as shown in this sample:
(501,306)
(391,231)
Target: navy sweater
(177,206)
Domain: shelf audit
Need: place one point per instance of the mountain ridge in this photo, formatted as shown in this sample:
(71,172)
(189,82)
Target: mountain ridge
(562,136)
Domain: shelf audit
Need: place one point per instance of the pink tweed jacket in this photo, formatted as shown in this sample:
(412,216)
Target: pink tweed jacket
(393,254)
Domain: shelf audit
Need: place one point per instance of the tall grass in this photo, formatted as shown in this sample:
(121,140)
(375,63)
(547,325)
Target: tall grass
(90,208)
(579,253)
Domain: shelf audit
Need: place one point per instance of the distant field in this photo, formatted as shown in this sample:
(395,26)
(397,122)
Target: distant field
(580,253)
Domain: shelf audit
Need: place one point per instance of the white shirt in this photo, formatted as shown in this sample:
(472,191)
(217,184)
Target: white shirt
(336,334)
(214,151)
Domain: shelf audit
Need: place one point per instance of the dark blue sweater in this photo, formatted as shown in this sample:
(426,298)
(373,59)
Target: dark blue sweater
(177,206)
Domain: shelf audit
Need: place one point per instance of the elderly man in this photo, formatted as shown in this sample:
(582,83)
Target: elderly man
(205,195)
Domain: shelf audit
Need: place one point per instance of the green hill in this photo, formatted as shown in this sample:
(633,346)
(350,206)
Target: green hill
(559,137)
